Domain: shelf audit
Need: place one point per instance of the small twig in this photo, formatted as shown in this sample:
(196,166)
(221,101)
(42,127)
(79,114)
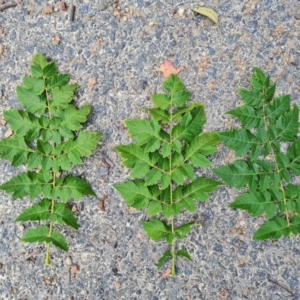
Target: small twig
(72,13)
(32,253)
(8,5)
(282,286)
(102,202)
(106,164)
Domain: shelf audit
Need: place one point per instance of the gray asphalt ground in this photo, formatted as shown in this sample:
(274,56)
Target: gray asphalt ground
(122,50)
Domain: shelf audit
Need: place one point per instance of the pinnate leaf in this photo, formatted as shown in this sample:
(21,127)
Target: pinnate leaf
(166,150)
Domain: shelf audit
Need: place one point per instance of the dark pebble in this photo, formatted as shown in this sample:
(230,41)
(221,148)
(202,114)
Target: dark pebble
(218,248)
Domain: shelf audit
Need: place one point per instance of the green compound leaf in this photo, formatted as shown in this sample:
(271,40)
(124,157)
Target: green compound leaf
(266,169)
(164,159)
(47,138)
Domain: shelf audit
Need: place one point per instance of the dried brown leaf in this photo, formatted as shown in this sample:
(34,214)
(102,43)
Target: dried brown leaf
(166,273)
(92,81)
(102,202)
(167,68)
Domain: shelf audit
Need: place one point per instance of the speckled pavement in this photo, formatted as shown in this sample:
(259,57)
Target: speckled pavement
(122,48)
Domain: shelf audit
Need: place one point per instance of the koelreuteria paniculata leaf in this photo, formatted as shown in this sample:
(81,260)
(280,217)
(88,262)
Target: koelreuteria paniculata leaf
(270,150)
(48,139)
(169,149)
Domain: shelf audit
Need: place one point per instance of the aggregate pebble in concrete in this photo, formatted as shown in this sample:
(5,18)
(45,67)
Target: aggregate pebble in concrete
(116,259)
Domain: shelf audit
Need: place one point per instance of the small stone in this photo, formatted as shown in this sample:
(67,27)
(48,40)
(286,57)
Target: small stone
(181,12)
(117,285)
(126,9)
(224,294)
(92,81)
(47,281)
(8,133)
(242,237)
(247,11)
(74,269)
(124,19)
(74,208)
(117,14)
(56,40)
(201,3)
(68,261)
(279,29)
(2,122)
(47,10)
(63,5)
(21,227)
(151,24)
(242,223)
(174,11)
(103,171)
